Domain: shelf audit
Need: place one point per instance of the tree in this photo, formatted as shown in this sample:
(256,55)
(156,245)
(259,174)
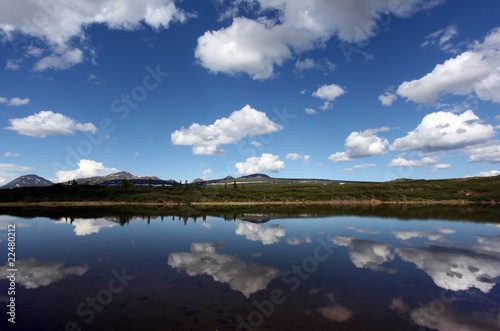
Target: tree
(235,186)
(74,183)
(124,183)
(149,181)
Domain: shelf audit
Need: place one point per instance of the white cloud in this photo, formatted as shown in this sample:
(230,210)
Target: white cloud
(55,24)
(48,123)
(487,152)
(402,162)
(361,166)
(440,166)
(86,168)
(252,47)
(206,138)
(60,61)
(241,276)
(12,65)
(257,232)
(256,144)
(388,98)
(15,101)
(487,174)
(475,72)
(311,111)
(365,253)
(10,154)
(442,38)
(345,19)
(328,93)
(441,131)
(34,274)
(362,144)
(206,174)
(307,64)
(296,156)
(257,164)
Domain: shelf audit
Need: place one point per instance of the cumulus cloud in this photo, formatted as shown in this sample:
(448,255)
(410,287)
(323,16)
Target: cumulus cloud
(402,162)
(34,274)
(362,144)
(257,164)
(486,152)
(206,173)
(365,253)
(205,139)
(328,93)
(15,101)
(241,276)
(296,156)
(86,168)
(387,99)
(311,111)
(487,174)
(47,123)
(456,269)
(474,72)
(441,131)
(55,26)
(252,47)
(257,232)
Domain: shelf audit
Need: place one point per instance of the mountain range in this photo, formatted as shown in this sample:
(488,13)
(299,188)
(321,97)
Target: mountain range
(115,179)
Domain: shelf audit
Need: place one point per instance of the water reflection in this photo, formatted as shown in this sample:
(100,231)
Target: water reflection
(241,276)
(34,274)
(256,232)
(454,268)
(366,253)
(86,226)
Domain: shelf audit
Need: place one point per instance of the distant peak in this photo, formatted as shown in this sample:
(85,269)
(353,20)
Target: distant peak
(256,176)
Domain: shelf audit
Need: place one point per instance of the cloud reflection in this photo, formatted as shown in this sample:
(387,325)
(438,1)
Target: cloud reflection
(34,274)
(454,268)
(405,235)
(86,226)
(257,232)
(365,253)
(241,276)
(439,316)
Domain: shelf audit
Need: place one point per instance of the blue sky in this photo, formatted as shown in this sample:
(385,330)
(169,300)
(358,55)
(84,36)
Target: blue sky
(352,90)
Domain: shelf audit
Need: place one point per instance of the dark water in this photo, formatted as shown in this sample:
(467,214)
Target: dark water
(254,271)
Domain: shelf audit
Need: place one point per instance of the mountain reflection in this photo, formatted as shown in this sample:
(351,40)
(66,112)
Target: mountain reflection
(241,276)
(257,232)
(34,274)
(365,253)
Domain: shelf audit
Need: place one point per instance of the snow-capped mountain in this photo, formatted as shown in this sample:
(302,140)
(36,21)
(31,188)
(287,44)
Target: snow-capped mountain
(28,180)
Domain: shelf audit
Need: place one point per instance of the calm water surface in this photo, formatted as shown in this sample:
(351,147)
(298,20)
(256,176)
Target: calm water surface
(252,272)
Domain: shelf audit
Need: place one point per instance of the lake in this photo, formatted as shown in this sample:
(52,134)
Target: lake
(376,268)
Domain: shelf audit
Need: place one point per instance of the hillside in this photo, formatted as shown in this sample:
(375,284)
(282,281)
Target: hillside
(28,180)
(465,190)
